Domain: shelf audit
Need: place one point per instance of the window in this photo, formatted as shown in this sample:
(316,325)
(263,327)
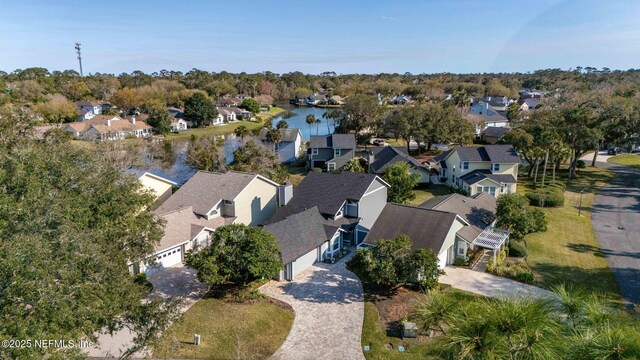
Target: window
(331,166)
(462,249)
(464,165)
(314,151)
(501,188)
(336,245)
(337,152)
(444,172)
(228,202)
(495,167)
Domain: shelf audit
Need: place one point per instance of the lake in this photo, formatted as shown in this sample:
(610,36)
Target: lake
(296,117)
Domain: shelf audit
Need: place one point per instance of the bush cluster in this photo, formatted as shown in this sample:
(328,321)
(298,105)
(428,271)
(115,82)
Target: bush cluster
(550,196)
(517,249)
(513,269)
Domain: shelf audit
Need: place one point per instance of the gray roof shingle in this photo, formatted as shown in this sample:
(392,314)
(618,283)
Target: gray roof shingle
(499,154)
(333,141)
(493,131)
(479,175)
(326,191)
(205,189)
(183,225)
(478,211)
(300,233)
(389,156)
(425,227)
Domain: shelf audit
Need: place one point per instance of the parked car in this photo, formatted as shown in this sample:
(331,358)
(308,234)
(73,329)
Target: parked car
(378,142)
(614,151)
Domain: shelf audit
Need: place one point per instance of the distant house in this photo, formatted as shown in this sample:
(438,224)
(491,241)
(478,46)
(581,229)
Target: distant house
(381,158)
(336,100)
(479,212)
(427,229)
(400,100)
(88,109)
(531,93)
(483,115)
(289,146)
(106,127)
(326,212)
(499,103)
(315,99)
(529,104)
(205,202)
(331,152)
(229,102)
(476,169)
(224,114)
(492,135)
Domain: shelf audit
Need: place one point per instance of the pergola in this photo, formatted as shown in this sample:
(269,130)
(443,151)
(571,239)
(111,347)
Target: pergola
(492,238)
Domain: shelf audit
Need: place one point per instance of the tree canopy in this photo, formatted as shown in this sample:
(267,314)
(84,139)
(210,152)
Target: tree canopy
(402,183)
(199,110)
(251,104)
(236,254)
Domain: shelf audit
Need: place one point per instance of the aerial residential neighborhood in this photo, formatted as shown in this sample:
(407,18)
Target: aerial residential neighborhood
(352,180)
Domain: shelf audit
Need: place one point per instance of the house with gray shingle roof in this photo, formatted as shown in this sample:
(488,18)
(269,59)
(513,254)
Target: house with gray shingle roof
(344,205)
(475,169)
(207,201)
(289,146)
(426,228)
(381,158)
(483,115)
(331,152)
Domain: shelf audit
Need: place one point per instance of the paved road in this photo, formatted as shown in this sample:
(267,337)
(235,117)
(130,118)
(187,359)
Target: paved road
(329,308)
(177,282)
(615,216)
(488,284)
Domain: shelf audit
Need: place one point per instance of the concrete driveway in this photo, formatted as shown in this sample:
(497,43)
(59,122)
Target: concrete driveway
(615,216)
(489,285)
(329,312)
(177,282)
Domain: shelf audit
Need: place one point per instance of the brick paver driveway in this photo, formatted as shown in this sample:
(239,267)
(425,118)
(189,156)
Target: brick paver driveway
(328,302)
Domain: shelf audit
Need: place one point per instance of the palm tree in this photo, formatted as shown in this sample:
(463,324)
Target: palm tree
(241,131)
(274,136)
(310,120)
(282,124)
(318,121)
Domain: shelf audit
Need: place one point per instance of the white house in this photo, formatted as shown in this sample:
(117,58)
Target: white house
(289,146)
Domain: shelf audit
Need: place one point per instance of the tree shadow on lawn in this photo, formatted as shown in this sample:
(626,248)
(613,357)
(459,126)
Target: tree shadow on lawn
(625,281)
(597,251)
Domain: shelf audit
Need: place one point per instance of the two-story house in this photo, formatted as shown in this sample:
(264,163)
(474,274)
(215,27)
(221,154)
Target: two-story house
(331,152)
(483,115)
(88,109)
(475,169)
(344,205)
(381,158)
(289,145)
(205,202)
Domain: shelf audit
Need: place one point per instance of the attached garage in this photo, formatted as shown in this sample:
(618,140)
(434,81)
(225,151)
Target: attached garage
(166,259)
(304,262)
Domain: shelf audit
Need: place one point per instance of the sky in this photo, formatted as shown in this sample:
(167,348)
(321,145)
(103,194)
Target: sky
(345,36)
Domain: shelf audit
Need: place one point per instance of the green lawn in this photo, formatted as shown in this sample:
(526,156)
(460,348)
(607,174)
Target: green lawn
(228,330)
(296,173)
(568,252)
(627,159)
(273,112)
(215,130)
(423,195)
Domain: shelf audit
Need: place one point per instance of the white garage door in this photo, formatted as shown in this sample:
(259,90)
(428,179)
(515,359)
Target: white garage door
(442,259)
(303,262)
(166,259)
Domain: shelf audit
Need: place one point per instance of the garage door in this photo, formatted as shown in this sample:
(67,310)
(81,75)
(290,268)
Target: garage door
(166,259)
(442,259)
(303,262)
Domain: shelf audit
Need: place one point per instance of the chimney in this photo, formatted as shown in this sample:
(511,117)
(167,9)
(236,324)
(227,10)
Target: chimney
(133,119)
(109,122)
(285,193)
(371,159)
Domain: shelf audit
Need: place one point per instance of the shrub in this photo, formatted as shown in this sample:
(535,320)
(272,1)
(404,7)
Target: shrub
(459,262)
(141,279)
(537,221)
(551,196)
(317,170)
(581,164)
(516,249)
(525,277)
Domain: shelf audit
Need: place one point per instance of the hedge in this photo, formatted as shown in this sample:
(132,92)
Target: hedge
(552,196)
(516,249)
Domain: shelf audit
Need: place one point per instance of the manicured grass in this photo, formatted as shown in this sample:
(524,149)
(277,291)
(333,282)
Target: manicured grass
(568,252)
(296,173)
(215,130)
(273,112)
(394,142)
(627,159)
(375,332)
(423,195)
(228,330)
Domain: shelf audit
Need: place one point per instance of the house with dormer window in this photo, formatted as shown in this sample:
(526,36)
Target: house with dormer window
(491,169)
(331,152)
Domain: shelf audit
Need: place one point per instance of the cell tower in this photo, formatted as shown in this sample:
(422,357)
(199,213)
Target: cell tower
(79,56)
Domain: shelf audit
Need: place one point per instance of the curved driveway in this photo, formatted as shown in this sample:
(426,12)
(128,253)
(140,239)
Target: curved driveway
(615,215)
(328,303)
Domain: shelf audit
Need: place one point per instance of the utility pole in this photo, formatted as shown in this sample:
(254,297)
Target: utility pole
(79,57)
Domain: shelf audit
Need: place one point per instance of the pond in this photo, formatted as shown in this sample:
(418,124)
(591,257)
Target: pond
(296,117)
